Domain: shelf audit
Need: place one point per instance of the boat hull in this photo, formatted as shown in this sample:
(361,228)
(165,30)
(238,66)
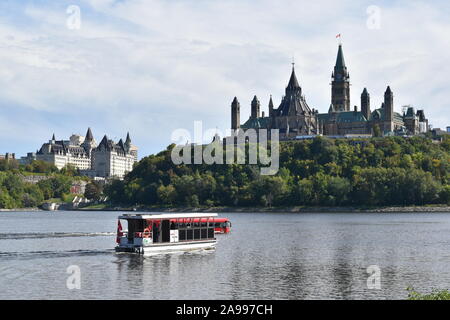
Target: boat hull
(169,247)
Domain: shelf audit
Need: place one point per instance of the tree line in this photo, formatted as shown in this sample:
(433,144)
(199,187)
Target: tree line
(16,192)
(319,172)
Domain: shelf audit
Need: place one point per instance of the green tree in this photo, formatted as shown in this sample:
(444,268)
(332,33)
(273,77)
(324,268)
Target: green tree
(93,191)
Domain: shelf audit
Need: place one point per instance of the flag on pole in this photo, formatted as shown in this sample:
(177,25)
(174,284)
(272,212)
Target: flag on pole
(338,36)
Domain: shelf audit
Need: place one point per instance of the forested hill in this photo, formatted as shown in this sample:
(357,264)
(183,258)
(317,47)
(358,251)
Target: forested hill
(319,172)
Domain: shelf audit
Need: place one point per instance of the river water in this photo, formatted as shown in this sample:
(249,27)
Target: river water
(266,256)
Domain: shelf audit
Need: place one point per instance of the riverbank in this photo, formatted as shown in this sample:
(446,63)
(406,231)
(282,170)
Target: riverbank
(411,209)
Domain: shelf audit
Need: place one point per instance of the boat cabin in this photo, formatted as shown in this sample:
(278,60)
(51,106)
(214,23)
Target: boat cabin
(157,232)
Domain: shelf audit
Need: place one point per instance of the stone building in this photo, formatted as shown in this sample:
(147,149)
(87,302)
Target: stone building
(8,156)
(111,159)
(295,118)
(108,159)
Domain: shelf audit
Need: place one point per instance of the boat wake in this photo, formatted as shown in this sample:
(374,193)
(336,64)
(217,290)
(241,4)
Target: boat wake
(20,236)
(52,254)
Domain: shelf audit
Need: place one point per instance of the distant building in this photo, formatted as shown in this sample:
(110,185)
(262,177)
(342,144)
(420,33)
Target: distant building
(437,132)
(30,157)
(8,156)
(448,129)
(106,160)
(294,117)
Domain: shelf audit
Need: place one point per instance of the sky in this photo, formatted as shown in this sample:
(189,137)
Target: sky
(153,66)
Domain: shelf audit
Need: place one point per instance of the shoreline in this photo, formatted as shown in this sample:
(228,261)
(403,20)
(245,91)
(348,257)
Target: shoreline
(387,209)
(21,210)
(390,209)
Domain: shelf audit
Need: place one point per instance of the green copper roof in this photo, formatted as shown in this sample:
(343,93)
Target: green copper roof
(348,116)
(381,115)
(256,123)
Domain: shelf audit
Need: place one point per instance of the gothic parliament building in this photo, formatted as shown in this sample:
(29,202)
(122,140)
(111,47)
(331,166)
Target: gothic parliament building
(295,118)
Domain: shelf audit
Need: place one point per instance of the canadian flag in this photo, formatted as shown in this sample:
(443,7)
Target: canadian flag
(119,231)
(338,36)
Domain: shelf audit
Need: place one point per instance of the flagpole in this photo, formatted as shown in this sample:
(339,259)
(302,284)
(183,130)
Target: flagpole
(340,38)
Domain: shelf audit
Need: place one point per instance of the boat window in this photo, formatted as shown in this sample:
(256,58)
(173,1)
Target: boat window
(204,233)
(196,234)
(189,234)
(182,235)
(210,233)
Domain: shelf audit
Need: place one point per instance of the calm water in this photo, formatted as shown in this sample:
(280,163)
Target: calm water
(267,256)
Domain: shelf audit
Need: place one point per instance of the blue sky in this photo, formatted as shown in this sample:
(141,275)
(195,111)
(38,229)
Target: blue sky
(153,66)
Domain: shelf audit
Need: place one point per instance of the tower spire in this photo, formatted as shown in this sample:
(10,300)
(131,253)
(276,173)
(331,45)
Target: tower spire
(340,91)
(89,136)
(271,107)
(293,82)
(340,61)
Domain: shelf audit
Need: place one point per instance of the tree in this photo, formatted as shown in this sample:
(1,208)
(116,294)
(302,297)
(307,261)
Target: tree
(444,195)
(376,131)
(93,191)
(322,171)
(167,194)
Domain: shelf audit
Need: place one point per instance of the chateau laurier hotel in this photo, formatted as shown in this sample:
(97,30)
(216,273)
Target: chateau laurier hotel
(294,118)
(106,160)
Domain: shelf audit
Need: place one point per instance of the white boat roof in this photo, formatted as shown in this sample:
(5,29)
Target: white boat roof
(166,215)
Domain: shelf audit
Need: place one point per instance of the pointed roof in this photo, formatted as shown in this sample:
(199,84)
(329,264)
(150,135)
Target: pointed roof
(293,82)
(120,144)
(53,137)
(388,90)
(365,92)
(255,99)
(128,139)
(89,136)
(340,61)
(104,140)
(270,102)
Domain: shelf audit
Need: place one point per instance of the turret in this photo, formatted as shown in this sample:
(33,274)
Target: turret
(256,106)
(271,113)
(331,109)
(89,142)
(389,104)
(235,114)
(127,144)
(365,103)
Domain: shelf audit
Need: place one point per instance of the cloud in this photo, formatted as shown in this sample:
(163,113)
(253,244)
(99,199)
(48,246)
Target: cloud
(153,66)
